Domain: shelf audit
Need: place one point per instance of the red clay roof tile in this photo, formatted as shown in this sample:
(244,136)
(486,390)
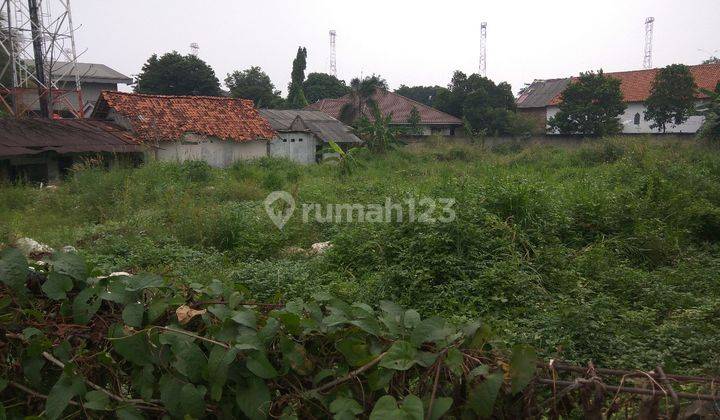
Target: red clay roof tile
(635,85)
(168,118)
(388,102)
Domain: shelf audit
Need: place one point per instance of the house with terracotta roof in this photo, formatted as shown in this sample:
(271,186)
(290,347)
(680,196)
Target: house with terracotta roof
(217,130)
(432,121)
(635,86)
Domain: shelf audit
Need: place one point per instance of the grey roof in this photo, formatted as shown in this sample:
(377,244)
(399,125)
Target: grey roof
(89,73)
(323,126)
(541,92)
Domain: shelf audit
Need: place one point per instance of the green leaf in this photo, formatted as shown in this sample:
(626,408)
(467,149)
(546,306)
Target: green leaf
(134,348)
(380,378)
(368,325)
(295,356)
(355,350)
(133,314)
(430,330)
(482,398)
(259,364)
(522,367)
(182,399)
(254,399)
(217,369)
(385,409)
(69,264)
(57,285)
(97,400)
(400,356)
(61,393)
(411,318)
(454,360)
(245,317)
(440,406)
(345,408)
(115,290)
(13,269)
(189,360)
(85,305)
(412,407)
(129,413)
(144,281)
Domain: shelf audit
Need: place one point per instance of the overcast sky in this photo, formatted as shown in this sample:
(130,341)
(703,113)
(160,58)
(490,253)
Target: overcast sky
(412,42)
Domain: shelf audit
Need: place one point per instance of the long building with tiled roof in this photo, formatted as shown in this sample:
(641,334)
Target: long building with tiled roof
(217,130)
(432,121)
(545,96)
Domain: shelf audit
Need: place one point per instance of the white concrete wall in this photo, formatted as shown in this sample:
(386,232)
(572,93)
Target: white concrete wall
(297,146)
(692,125)
(218,153)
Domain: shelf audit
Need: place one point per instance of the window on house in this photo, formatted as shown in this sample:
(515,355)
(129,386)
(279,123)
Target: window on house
(299,139)
(292,140)
(637,118)
(284,140)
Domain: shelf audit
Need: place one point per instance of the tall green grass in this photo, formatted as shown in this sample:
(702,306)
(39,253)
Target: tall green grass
(603,251)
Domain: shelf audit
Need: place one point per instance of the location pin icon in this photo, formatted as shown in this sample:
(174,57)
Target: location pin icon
(278,216)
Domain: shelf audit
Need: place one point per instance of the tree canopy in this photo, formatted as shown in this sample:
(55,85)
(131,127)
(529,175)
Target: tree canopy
(486,106)
(423,94)
(672,97)
(177,74)
(361,93)
(712,60)
(710,129)
(324,86)
(254,84)
(590,106)
(296,96)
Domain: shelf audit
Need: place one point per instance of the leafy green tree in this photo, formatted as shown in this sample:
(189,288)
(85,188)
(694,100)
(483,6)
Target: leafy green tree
(361,97)
(424,94)
(487,107)
(176,74)
(256,85)
(672,97)
(414,121)
(324,86)
(712,60)
(296,96)
(590,106)
(710,129)
(378,133)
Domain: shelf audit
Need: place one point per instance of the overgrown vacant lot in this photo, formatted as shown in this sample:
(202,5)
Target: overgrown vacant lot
(606,252)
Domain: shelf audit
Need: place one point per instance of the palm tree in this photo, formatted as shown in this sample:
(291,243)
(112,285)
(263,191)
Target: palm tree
(361,97)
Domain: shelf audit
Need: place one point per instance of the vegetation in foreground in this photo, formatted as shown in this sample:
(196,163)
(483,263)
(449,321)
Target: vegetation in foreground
(605,252)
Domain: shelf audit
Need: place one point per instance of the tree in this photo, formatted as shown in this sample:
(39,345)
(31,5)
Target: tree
(487,107)
(296,96)
(176,74)
(324,86)
(423,94)
(710,129)
(672,97)
(254,84)
(712,60)
(361,93)
(414,121)
(590,106)
(379,134)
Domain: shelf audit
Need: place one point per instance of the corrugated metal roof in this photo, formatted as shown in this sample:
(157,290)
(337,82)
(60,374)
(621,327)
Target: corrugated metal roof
(323,126)
(33,136)
(88,73)
(541,92)
(389,102)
